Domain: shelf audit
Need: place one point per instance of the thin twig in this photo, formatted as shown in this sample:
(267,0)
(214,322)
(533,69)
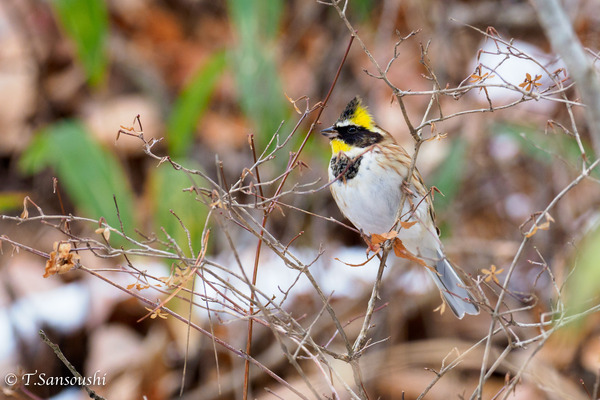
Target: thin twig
(61,357)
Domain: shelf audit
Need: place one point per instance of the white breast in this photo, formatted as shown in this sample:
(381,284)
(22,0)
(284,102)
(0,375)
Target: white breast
(370,200)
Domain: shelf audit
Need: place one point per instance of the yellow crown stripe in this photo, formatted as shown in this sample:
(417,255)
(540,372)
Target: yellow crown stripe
(337,145)
(362,117)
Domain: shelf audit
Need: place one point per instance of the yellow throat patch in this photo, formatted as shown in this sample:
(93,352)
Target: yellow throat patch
(337,145)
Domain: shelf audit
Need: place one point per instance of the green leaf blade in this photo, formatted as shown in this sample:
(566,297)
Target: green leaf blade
(191,105)
(86,23)
(165,195)
(253,62)
(90,175)
(448,178)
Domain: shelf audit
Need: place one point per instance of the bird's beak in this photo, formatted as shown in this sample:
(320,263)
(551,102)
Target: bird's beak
(330,132)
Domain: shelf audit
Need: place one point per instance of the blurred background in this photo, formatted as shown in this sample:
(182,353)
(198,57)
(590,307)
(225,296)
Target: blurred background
(203,76)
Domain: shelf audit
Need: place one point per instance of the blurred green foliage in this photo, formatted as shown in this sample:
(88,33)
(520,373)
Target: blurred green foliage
(11,200)
(166,184)
(362,8)
(90,174)
(583,289)
(545,148)
(86,23)
(448,176)
(191,105)
(253,63)
(166,193)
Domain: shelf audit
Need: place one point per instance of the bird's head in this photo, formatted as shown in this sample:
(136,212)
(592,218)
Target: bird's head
(355,128)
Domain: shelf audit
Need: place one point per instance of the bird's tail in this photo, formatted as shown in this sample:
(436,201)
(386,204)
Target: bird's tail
(458,297)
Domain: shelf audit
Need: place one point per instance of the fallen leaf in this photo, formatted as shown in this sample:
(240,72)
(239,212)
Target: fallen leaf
(25,213)
(402,252)
(61,259)
(492,274)
(407,224)
(105,232)
(441,308)
(357,265)
(543,226)
(378,238)
(156,313)
(293,103)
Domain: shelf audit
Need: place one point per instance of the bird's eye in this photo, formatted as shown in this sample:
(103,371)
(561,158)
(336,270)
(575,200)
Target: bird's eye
(352,129)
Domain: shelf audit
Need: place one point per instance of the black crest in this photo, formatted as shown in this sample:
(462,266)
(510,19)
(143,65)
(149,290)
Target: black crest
(350,109)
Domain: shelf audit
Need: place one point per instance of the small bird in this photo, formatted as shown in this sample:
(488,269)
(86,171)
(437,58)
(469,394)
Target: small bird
(367,172)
